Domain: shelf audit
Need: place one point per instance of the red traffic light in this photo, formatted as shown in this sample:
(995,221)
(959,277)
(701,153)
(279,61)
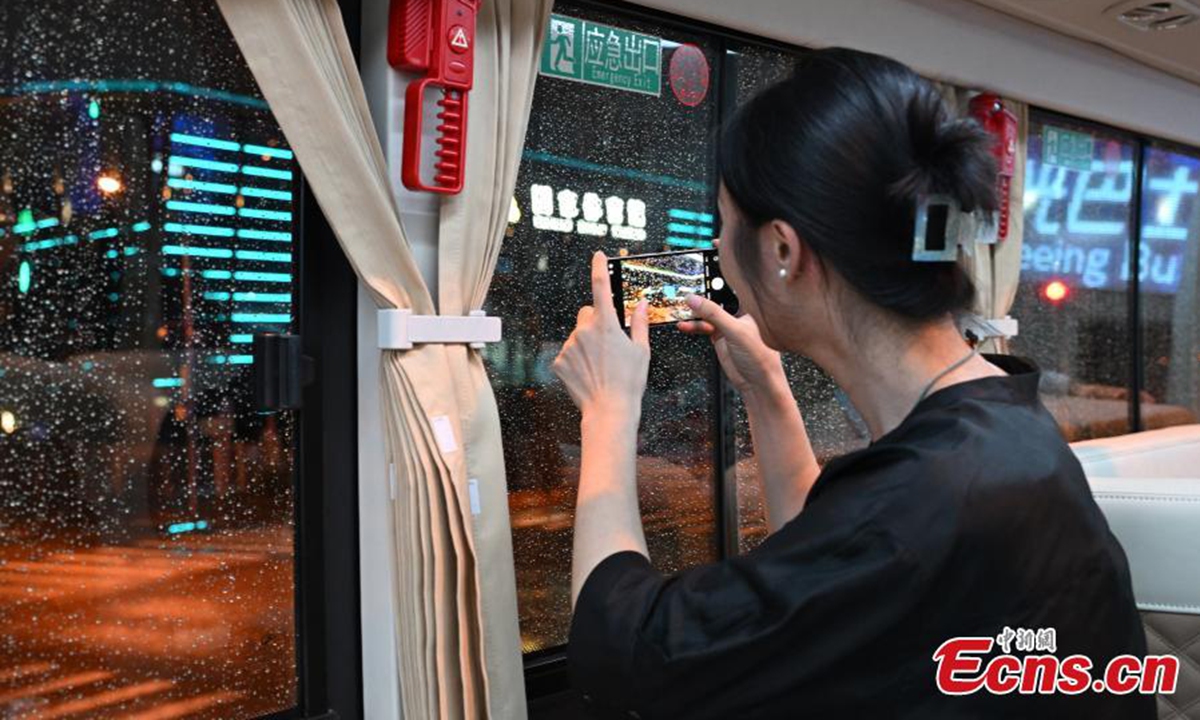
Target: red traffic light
(1056,291)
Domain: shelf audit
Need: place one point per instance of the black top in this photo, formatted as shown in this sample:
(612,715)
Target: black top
(970,516)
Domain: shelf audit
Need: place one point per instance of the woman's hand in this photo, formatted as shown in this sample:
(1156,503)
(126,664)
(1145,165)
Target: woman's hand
(602,368)
(751,366)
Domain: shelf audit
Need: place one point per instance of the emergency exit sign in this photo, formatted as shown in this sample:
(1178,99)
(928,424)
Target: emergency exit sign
(597,54)
(1067,148)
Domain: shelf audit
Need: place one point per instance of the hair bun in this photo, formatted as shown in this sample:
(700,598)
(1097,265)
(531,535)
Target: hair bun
(951,155)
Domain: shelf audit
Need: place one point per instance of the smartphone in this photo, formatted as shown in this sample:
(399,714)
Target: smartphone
(665,280)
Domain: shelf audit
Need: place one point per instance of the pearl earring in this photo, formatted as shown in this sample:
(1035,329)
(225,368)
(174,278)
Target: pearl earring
(783,273)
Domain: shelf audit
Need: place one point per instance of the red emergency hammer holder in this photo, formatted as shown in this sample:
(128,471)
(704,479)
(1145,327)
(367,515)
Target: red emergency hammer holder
(437,38)
(988,109)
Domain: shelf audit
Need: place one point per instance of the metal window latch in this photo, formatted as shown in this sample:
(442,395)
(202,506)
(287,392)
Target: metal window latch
(401,330)
(280,371)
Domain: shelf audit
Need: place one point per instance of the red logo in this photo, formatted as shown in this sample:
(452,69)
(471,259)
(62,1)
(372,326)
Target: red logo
(689,74)
(961,669)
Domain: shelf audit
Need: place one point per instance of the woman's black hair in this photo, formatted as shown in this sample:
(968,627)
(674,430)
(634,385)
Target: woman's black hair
(843,151)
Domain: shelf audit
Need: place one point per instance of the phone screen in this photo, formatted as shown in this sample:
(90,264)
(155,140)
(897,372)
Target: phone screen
(664,281)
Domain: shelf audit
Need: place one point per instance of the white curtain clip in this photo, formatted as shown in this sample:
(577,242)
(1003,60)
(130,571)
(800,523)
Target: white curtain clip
(401,330)
(985,328)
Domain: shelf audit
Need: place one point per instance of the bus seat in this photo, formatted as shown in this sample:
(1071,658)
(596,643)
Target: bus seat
(1148,486)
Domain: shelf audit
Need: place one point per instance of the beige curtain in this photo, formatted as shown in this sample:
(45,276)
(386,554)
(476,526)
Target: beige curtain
(456,658)
(472,227)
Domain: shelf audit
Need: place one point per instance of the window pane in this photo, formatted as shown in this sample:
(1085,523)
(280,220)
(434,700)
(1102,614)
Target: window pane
(833,425)
(1167,273)
(146,508)
(617,170)
(1073,297)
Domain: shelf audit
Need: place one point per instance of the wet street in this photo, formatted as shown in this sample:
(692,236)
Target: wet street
(193,626)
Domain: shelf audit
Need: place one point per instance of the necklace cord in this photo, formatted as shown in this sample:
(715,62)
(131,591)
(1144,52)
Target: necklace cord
(944,373)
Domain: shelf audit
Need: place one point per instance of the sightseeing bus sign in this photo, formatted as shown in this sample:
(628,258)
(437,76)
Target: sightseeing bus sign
(1077,222)
(597,54)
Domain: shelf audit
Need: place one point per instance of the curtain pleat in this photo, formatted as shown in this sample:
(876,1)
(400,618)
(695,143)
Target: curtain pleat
(471,228)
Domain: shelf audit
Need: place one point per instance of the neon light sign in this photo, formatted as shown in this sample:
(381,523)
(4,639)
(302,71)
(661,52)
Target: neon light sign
(1077,222)
(567,212)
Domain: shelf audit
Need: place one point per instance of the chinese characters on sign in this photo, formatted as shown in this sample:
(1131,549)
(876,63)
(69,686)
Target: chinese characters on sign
(1077,221)
(1067,148)
(623,219)
(602,55)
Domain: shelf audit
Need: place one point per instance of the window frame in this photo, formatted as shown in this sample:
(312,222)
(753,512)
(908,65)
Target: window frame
(328,606)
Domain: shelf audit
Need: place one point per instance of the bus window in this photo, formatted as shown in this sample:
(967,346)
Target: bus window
(1170,256)
(833,426)
(146,506)
(1073,297)
(618,157)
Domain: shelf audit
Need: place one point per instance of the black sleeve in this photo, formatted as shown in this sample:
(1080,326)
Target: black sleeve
(721,637)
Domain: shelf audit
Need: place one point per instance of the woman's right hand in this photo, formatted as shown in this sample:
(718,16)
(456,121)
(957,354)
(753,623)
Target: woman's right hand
(752,367)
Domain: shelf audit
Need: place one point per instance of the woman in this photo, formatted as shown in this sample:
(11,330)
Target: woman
(965,516)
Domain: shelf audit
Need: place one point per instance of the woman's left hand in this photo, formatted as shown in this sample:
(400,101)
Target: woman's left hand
(603,369)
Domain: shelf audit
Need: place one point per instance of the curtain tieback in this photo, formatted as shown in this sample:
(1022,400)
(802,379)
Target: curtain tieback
(983,328)
(400,329)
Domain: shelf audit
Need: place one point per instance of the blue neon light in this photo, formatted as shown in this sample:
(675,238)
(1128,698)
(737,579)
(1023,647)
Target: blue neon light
(216,274)
(542,157)
(257,171)
(170,272)
(265,235)
(688,242)
(167,382)
(190,91)
(267,151)
(184,161)
(142,226)
(241,359)
(24,277)
(216,296)
(46,223)
(279,215)
(213,230)
(241,339)
(43,244)
(217,359)
(197,251)
(263,256)
(679,214)
(24,228)
(689,229)
(182,527)
(102,234)
(251,191)
(261,318)
(184,184)
(194,207)
(262,297)
(204,142)
(262,276)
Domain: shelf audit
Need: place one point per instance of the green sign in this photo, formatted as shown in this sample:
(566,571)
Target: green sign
(1067,148)
(598,54)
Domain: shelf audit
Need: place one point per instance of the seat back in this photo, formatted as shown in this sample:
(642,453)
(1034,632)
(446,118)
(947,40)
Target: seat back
(1148,486)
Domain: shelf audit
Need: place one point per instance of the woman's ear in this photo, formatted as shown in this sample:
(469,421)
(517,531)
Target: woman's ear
(785,253)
